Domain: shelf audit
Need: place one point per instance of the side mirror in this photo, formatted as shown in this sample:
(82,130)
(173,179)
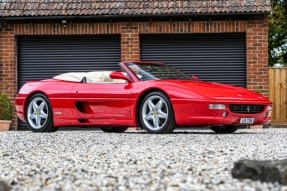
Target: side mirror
(195,77)
(120,76)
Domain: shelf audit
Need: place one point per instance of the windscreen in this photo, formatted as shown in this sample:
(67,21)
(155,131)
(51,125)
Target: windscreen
(146,72)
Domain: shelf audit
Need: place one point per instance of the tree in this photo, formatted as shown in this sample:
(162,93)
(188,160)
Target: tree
(277,39)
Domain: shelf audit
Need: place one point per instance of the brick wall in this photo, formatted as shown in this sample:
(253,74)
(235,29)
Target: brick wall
(256,44)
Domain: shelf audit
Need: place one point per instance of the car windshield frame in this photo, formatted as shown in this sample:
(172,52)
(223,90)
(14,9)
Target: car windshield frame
(154,71)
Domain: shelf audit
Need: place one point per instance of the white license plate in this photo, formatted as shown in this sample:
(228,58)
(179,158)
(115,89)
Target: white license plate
(247,120)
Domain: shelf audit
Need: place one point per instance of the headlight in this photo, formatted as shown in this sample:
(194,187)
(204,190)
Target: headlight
(269,107)
(217,106)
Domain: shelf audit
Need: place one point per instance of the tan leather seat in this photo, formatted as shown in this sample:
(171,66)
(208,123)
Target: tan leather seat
(106,77)
(94,77)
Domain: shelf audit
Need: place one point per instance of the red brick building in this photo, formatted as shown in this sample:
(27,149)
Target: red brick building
(224,41)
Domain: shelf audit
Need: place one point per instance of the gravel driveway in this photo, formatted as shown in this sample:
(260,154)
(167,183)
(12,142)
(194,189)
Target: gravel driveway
(135,160)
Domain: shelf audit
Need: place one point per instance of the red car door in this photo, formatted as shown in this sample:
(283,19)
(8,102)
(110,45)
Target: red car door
(101,102)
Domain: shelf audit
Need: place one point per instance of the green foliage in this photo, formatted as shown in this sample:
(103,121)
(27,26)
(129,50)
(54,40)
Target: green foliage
(277,34)
(257,91)
(5,108)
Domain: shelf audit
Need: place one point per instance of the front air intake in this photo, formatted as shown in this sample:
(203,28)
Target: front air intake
(246,109)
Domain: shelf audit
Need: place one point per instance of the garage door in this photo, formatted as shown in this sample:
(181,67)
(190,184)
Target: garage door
(212,57)
(41,57)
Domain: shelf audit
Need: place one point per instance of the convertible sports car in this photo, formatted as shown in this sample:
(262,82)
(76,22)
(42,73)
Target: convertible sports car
(151,95)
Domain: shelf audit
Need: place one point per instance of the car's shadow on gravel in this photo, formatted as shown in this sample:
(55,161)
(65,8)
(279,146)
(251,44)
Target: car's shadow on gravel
(192,132)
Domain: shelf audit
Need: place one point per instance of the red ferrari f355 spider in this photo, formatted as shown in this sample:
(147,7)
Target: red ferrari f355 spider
(151,95)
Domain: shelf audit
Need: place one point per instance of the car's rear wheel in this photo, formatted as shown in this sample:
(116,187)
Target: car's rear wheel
(114,129)
(156,113)
(38,113)
(224,129)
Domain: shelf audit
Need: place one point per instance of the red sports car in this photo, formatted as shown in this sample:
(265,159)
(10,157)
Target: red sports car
(151,95)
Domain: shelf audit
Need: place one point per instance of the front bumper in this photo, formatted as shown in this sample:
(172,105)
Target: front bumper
(194,112)
(19,104)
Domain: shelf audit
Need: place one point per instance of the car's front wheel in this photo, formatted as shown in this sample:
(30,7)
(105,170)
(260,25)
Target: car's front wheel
(224,129)
(114,129)
(156,113)
(39,116)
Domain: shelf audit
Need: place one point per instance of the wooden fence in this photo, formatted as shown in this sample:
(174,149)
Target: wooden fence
(278,95)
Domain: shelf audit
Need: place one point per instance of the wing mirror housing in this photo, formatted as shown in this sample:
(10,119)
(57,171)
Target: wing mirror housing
(194,77)
(119,76)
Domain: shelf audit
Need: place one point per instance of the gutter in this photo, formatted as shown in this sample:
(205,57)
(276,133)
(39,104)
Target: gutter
(21,18)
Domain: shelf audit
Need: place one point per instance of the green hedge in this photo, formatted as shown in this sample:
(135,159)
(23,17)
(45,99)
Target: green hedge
(5,108)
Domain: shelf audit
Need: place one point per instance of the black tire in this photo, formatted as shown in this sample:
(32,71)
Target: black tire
(114,129)
(225,129)
(168,125)
(48,125)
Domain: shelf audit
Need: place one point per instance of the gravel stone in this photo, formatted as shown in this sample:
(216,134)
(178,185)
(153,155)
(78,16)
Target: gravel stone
(4,186)
(266,171)
(135,160)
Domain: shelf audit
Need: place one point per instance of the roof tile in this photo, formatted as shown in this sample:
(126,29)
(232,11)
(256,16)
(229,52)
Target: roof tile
(4,6)
(15,8)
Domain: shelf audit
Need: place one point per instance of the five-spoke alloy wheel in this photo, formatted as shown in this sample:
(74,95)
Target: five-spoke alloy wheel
(156,113)
(39,114)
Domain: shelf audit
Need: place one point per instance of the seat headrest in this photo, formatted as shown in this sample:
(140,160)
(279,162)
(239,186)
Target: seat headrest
(106,77)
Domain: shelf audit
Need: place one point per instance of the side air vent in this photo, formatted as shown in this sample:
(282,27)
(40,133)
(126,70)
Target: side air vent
(79,106)
(83,120)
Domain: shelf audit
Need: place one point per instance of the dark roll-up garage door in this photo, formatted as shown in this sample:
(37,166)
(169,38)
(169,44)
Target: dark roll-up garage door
(212,57)
(42,57)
